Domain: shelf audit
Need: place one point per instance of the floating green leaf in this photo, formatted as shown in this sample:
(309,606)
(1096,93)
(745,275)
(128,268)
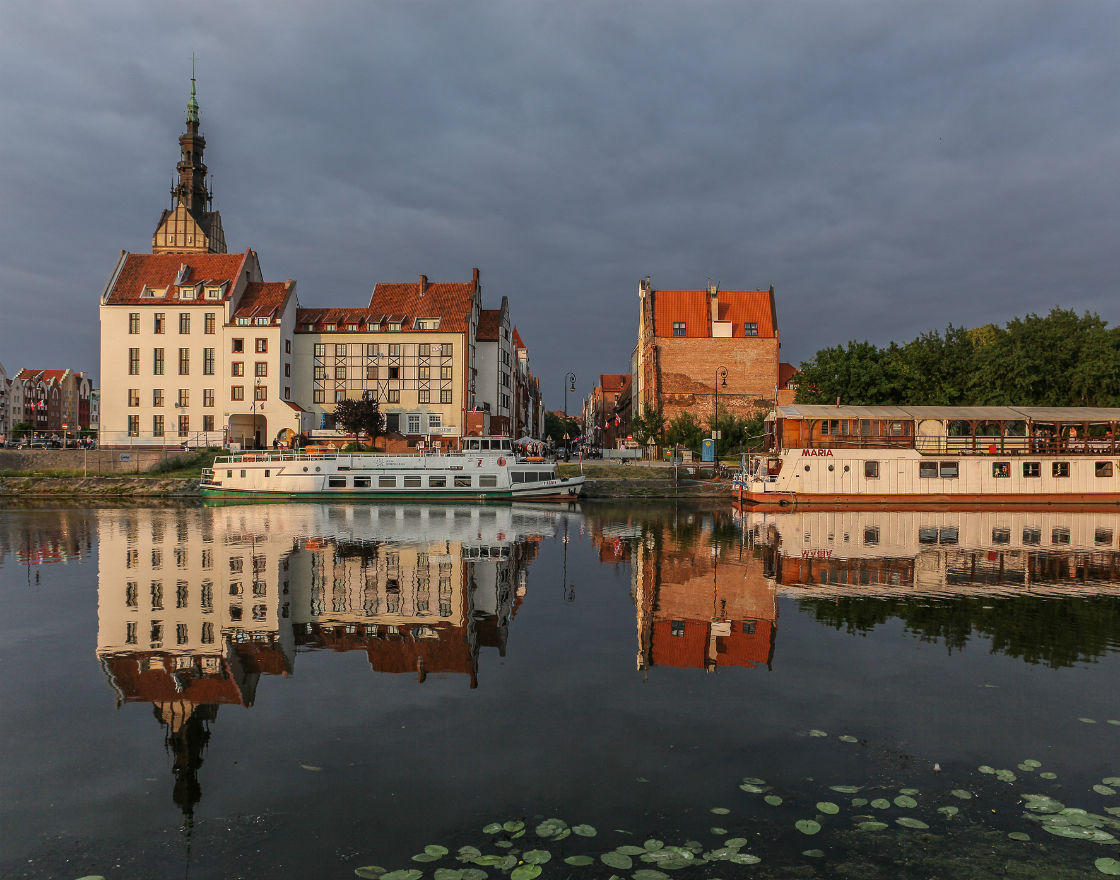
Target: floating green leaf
(720,811)
(505,844)
(905,801)
(743,859)
(551,827)
(1112,811)
(536,856)
(525,872)
(650,874)
(814,853)
(424,857)
(1031,762)
(473,874)
(910,791)
(434,849)
(1019,835)
(631,850)
(872,826)
(881,804)
(617,860)
(579,861)
(773,800)
(984,768)
(312,767)
(1005,776)
(816,732)
(754,780)
(1104,789)
(403,874)
(1108,866)
(492,828)
(653,844)
(845,789)
(490,861)
(1048,774)
(828,807)
(584,830)
(1026,768)
(1115,721)
(466,853)
(1087,720)
(847,739)
(948,812)
(715,829)
(859,802)
(448,874)
(1111,780)
(962,794)
(909,822)
(807,826)
(735,843)
(751,788)
(513,825)
(369,872)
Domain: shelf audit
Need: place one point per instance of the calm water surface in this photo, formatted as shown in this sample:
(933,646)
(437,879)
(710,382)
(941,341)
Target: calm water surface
(306,690)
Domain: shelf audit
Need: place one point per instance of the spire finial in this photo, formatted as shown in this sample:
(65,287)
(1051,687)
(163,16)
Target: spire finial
(192,104)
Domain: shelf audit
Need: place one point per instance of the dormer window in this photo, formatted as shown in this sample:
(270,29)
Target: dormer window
(750,328)
(308,327)
(213,293)
(427,323)
(394,326)
(373,328)
(262,321)
(352,327)
(190,292)
(243,322)
(330,328)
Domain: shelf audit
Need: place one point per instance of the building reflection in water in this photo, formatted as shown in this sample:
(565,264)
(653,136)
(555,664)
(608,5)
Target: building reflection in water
(194,606)
(701,597)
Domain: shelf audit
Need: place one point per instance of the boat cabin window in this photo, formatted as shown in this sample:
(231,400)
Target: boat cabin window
(437,482)
(517,476)
(487,481)
(336,482)
(361,482)
(1032,536)
(1060,536)
(1060,468)
(927,469)
(1032,469)
(871,470)
(1001,469)
(463,480)
(950,470)
(384,482)
(412,482)
(1103,537)
(871,535)
(1001,536)
(1104,469)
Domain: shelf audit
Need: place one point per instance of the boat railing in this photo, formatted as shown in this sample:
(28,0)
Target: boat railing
(1040,445)
(294,455)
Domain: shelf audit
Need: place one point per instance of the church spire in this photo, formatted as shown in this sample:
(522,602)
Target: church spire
(192,104)
(191,191)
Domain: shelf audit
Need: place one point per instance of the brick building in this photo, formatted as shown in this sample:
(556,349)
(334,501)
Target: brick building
(687,337)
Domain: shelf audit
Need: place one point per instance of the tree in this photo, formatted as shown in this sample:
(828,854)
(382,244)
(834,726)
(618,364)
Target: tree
(649,424)
(561,429)
(686,430)
(20,429)
(360,416)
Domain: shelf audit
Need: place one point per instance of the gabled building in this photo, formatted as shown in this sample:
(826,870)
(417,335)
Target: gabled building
(495,367)
(50,401)
(687,338)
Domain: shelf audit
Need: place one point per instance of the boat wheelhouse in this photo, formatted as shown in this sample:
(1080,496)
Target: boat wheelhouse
(935,455)
(486,468)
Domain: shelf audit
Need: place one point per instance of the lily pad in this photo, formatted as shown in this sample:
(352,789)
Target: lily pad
(630,850)
(848,739)
(505,844)
(807,826)
(984,768)
(1048,774)
(909,791)
(525,872)
(1019,835)
(715,829)
(905,801)
(1005,776)
(828,808)
(754,780)
(814,853)
(859,802)
(909,822)
(653,845)
(1026,768)
(472,874)
(1115,721)
(751,788)
(404,874)
(1111,780)
(720,811)
(1108,866)
(551,827)
(448,874)
(743,859)
(1087,720)
(492,828)
(962,794)
(617,860)
(735,843)
(466,853)
(872,826)
(773,800)
(513,825)
(1104,789)
(816,732)
(948,812)
(434,849)
(579,861)
(881,804)
(584,830)
(1031,762)
(846,789)
(424,857)
(370,872)
(650,874)
(536,856)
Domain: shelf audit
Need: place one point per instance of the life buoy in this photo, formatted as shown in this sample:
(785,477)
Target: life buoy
(501,462)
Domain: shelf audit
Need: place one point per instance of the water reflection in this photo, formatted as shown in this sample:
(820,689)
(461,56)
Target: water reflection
(194,606)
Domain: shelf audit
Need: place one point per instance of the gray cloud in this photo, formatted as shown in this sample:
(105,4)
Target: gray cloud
(888,167)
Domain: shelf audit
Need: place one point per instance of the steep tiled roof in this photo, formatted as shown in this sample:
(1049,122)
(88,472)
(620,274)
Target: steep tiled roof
(263,299)
(785,373)
(517,343)
(692,307)
(450,301)
(489,324)
(162,270)
(614,383)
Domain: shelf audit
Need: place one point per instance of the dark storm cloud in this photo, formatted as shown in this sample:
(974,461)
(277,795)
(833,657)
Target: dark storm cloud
(888,167)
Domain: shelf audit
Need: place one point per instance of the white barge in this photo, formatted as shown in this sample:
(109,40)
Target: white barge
(923,455)
(486,469)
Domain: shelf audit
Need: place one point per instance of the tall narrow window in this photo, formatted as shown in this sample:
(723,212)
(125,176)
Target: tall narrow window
(157,361)
(184,361)
(133,322)
(207,362)
(157,426)
(184,397)
(184,426)
(184,322)
(160,322)
(134,362)
(134,426)
(133,396)
(208,323)
(157,397)
(208,397)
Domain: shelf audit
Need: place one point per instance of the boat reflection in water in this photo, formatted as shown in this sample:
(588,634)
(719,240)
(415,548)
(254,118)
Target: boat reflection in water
(194,606)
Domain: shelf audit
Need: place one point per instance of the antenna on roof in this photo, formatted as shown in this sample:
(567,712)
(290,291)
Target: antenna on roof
(713,285)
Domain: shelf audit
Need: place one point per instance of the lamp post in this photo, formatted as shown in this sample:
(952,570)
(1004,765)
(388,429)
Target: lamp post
(721,377)
(569,379)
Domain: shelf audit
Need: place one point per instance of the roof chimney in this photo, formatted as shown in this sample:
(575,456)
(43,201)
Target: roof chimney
(476,277)
(423,284)
(713,295)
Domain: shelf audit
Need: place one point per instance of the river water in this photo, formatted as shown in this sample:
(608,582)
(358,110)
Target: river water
(313,690)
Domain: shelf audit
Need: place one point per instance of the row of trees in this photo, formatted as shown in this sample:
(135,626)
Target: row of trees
(1060,359)
(736,433)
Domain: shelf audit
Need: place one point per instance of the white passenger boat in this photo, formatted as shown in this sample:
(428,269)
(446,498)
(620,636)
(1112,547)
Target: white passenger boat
(996,455)
(487,468)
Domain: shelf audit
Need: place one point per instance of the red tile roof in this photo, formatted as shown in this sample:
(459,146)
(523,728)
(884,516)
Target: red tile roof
(785,373)
(161,270)
(264,299)
(692,307)
(450,301)
(517,343)
(614,383)
(158,680)
(489,324)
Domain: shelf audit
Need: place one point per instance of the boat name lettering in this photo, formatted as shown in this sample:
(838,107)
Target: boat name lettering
(816,554)
(816,452)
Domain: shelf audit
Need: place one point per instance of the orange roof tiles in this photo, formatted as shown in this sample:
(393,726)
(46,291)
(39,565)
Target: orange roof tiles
(693,309)
(614,383)
(263,299)
(517,343)
(161,270)
(452,302)
(785,373)
(489,323)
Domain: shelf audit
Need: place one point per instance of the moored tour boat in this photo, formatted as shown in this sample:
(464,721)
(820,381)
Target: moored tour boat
(485,469)
(859,455)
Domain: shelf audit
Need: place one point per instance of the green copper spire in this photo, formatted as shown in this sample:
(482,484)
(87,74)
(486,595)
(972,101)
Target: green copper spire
(192,104)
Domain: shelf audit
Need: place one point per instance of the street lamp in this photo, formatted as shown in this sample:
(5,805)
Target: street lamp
(569,379)
(721,378)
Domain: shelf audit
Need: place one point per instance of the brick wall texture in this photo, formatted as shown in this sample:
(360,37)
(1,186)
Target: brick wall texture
(688,375)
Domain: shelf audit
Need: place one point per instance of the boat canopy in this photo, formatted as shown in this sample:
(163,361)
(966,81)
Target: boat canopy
(1036,414)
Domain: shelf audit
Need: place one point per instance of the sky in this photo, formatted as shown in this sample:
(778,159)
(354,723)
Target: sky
(889,167)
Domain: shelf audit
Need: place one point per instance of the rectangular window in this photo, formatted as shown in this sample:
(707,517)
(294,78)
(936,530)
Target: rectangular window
(287,369)
(750,328)
(207,423)
(950,470)
(184,322)
(208,324)
(336,482)
(1060,535)
(237,392)
(261,368)
(261,345)
(157,426)
(287,393)
(1001,469)
(160,322)
(394,349)
(133,322)
(394,397)
(208,633)
(927,469)
(412,482)
(871,470)
(184,361)
(134,426)
(184,426)
(339,394)
(394,372)
(208,397)
(260,392)
(1032,469)
(318,396)
(435,421)
(371,372)
(320,373)
(423,373)
(487,481)
(287,346)
(423,396)
(1001,536)
(678,328)
(1060,468)
(133,396)
(387,482)
(237,346)
(437,482)
(871,535)
(413,423)
(463,480)
(1103,537)
(445,371)
(445,396)
(1032,537)
(340,372)
(1103,469)
(424,349)
(237,368)
(207,362)
(130,632)
(184,397)
(340,349)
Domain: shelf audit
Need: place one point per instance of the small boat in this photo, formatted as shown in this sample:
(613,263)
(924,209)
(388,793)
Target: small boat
(485,469)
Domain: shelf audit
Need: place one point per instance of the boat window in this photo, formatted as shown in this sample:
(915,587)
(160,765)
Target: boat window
(485,444)
(1060,536)
(1001,536)
(1060,468)
(412,482)
(1032,536)
(927,535)
(336,482)
(1032,469)
(871,470)
(267,472)
(506,445)
(950,470)
(517,476)
(1103,537)
(361,482)
(542,477)
(1001,469)
(437,482)
(230,473)
(243,475)
(487,481)
(948,536)
(927,469)
(463,480)
(1104,469)
(871,535)
(384,482)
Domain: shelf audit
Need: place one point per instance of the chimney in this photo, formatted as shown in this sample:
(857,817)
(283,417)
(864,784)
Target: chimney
(713,295)
(476,276)
(423,284)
